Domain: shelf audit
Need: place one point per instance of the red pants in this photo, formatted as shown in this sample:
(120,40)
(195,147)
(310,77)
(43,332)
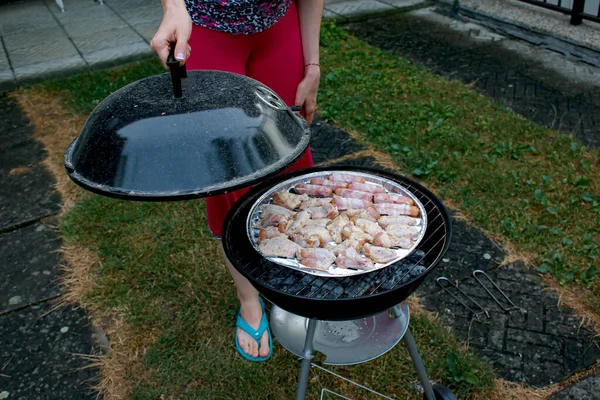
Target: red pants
(272,57)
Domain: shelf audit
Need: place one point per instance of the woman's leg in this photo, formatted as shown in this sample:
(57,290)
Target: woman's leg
(223,52)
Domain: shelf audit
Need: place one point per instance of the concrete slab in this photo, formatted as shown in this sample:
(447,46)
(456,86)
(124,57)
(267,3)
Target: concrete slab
(146,30)
(29,263)
(587,388)
(93,42)
(330,14)
(50,69)
(150,13)
(24,17)
(90,24)
(118,55)
(18,150)
(329,143)
(40,354)
(353,8)
(403,3)
(48,49)
(27,196)
(26,38)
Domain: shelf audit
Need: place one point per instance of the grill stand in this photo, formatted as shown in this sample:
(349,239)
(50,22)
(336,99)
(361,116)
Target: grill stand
(285,327)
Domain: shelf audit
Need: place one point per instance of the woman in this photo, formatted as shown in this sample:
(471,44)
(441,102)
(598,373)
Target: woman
(273,41)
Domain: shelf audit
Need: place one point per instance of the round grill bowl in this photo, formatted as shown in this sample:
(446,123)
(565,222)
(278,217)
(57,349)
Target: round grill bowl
(340,298)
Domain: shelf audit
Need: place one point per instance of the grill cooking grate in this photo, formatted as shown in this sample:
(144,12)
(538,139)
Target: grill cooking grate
(425,256)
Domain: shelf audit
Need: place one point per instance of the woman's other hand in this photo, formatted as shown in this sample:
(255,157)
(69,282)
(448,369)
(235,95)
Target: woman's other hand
(306,94)
(176,27)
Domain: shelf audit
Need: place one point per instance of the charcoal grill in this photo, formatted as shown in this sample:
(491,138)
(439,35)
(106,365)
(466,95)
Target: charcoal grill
(314,303)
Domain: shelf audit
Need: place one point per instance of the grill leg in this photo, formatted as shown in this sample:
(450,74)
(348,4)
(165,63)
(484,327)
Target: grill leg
(416,358)
(307,355)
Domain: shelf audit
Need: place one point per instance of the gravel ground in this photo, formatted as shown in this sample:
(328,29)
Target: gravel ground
(539,19)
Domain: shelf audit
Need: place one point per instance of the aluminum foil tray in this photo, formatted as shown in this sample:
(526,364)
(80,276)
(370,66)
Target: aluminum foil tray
(253,222)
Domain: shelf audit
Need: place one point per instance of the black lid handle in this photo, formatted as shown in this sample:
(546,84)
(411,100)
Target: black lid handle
(177,72)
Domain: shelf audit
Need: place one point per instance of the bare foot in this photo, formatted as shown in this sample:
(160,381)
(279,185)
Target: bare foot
(252,314)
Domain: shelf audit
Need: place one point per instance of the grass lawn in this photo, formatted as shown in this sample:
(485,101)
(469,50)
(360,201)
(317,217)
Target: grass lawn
(160,271)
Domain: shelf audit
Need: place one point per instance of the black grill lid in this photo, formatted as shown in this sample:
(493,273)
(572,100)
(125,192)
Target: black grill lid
(227,131)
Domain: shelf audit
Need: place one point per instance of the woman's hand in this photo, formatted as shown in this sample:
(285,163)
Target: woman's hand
(176,27)
(306,94)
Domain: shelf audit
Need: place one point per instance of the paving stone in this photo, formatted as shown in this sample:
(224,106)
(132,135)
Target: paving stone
(469,250)
(29,265)
(27,194)
(506,70)
(46,50)
(150,13)
(403,3)
(89,24)
(24,16)
(329,143)
(357,8)
(96,41)
(588,388)
(42,35)
(118,55)
(549,340)
(26,197)
(50,69)
(330,14)
(146,30)
(40,354)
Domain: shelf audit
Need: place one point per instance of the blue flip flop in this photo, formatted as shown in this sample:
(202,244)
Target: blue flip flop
(256,334)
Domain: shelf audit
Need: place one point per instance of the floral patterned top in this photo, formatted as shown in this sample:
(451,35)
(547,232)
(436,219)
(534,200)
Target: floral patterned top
(237,16)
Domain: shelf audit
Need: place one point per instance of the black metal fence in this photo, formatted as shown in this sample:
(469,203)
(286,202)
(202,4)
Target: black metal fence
(578,9)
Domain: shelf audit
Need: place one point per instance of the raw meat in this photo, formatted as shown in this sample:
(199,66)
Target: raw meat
(385,239)
(370,227)
(354,194)
(340,176)
(316,258)
(396,209)
(350,258)
(344,203)
(402,220)
(392,198)
(326,182)
(379,254)
(278,247)
(289,200)
(313,190)
(335,227)
(367,187)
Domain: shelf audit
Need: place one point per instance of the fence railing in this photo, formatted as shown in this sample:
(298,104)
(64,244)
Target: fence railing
(577,9)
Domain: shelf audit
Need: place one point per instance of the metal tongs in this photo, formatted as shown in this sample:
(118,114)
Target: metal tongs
(506,309)
(512,306)
(455,287)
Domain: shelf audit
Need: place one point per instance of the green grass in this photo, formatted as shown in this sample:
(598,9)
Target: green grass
(527,185)
(161,270)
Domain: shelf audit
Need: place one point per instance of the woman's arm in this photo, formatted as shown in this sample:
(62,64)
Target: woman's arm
(310,13)
(176,27)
